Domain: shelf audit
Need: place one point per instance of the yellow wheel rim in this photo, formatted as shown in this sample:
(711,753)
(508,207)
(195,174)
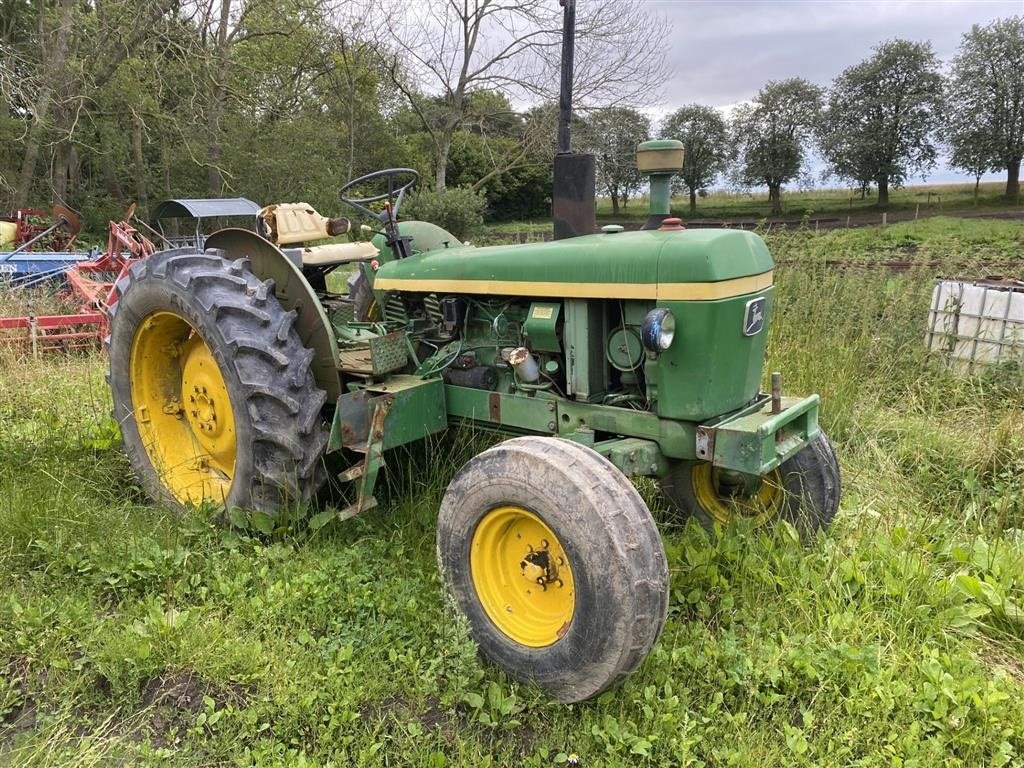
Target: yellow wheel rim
(727,503)
(182,409)
(522,576)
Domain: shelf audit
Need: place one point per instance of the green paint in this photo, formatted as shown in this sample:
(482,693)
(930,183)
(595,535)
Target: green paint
(644,257)
(584,335)
(711,367)
(642,411)
(634,457)
(425,237)
(514,413)
(541,325)
(660,144)
(661,193)
(417,410)
(756,441)
(677,439)
(546,415)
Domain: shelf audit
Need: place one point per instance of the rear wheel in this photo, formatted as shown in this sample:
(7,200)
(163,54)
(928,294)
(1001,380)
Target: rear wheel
(212,387)
(554,559)
(805,490)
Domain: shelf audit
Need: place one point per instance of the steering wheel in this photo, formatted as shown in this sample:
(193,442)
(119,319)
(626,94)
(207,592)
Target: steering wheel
(395,192)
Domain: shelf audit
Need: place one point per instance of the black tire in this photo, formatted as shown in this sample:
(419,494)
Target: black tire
(809,482)
(614,550)
(279,435)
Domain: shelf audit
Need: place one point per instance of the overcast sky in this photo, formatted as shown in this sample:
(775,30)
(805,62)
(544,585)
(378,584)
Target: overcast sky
(723,51)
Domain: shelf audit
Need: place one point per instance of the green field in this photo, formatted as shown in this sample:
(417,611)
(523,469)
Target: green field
(816,207)
(922,199)
(129,636)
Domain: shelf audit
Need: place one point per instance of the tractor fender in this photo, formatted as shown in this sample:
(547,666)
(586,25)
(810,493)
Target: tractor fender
(293,291)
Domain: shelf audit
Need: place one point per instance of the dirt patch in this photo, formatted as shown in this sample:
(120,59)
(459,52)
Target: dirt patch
(171,700)
(392,705)
(179,690)
(17,722)
(433,718)
(996,657)
(20,708)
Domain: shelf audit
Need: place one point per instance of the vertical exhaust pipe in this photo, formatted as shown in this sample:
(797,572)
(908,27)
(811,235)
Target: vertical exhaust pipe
(573,203)
(660,160)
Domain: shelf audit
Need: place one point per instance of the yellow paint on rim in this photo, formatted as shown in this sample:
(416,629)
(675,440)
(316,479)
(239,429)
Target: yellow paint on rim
(182,409)
(522,576)
(723,289)
(711,493)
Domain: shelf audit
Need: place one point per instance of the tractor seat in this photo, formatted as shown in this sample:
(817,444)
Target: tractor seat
(333,254)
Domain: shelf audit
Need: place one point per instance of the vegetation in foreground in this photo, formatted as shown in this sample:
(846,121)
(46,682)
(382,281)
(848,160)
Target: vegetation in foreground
(130,635)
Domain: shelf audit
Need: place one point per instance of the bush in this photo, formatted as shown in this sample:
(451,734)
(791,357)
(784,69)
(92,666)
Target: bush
(460,210)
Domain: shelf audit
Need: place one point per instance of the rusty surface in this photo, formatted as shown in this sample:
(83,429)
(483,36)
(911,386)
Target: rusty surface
(705,443)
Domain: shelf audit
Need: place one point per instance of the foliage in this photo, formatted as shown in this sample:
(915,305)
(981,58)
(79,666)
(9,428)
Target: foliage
(102,104)
(985,101)
(507,157)
(457,209)
(134,636)
(705,138)
(513,50)
(772,134)
(881,116)
(612,135)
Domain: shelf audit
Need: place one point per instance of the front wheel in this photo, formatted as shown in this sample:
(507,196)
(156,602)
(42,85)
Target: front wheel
(553,557)
(805,490)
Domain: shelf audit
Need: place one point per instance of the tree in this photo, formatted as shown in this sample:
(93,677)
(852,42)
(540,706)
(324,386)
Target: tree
(881,116)
(507,156)
(772,133)
(450,49)
(612,134)
(985,97)
(705,138)
(971,149)
(60,56)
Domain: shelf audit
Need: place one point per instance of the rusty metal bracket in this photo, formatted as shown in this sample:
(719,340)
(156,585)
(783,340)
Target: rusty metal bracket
(705,443)
(364,474)
(756,440)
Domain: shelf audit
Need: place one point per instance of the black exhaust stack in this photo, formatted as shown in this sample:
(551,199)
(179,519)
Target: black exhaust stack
(574,208)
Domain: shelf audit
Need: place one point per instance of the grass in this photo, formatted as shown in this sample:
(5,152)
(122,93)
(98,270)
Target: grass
(925,199)
(38,300)
(130,636)
(834,206)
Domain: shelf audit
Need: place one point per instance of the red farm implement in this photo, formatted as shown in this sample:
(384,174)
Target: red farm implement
(90,287)
(32,229)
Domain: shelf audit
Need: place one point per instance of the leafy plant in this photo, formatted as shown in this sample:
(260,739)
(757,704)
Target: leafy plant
(460,210)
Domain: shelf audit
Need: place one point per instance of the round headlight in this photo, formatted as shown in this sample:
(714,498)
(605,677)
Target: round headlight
(658,330)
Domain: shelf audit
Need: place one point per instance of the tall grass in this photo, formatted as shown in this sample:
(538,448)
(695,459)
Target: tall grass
(130,636)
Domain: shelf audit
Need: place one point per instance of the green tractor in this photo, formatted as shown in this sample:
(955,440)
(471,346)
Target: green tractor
(236,372)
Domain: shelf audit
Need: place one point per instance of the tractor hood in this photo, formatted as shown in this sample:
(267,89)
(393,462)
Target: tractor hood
(700,264)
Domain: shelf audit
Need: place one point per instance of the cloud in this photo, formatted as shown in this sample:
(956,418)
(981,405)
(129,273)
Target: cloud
(722,52)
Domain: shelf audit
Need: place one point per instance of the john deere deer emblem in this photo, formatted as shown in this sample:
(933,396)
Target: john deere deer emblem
(753,318)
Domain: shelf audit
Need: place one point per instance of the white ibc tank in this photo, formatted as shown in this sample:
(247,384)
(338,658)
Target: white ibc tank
(978,323)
